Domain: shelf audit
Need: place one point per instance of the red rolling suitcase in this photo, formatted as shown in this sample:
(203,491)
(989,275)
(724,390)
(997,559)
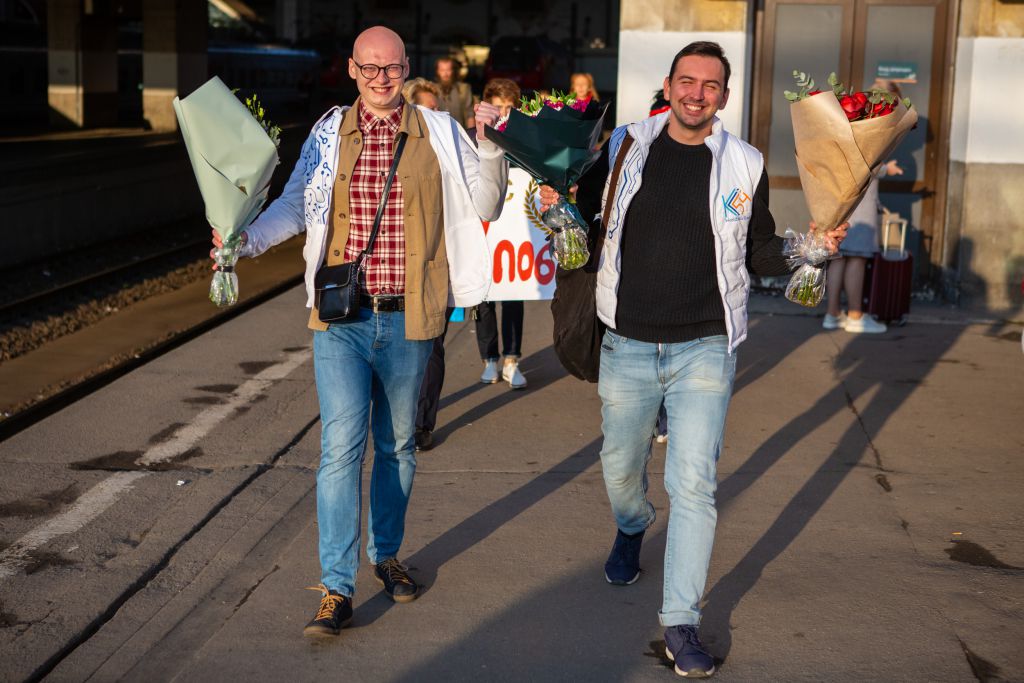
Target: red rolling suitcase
(888,277)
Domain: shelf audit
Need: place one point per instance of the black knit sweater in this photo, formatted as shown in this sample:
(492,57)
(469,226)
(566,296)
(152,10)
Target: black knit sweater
(668,287)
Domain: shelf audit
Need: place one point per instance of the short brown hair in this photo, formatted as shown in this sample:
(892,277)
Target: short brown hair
(704,48)
(501,87)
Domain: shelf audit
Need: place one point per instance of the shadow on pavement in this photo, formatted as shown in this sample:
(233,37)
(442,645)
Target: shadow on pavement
(541,369)
(456,540)
(854,378)
(592,616)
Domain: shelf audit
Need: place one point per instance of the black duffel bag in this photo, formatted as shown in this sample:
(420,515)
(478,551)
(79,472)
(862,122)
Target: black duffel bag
(577,329)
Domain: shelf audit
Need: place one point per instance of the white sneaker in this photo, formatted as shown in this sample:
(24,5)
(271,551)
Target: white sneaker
(490,375)
(510,373)
(864,324)
(834,322)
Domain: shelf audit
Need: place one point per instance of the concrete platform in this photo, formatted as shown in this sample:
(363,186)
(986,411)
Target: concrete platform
(164,528)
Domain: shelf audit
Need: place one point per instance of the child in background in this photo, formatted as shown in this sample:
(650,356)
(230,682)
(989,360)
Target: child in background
(583,87)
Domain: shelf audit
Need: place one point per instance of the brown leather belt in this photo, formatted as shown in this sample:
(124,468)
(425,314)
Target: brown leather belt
(382,304)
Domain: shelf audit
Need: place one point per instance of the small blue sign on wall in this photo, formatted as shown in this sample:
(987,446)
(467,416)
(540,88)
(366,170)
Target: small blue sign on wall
(897,72)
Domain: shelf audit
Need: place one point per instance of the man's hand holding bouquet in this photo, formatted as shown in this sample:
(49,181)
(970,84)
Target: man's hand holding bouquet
(233,150)
(555,140)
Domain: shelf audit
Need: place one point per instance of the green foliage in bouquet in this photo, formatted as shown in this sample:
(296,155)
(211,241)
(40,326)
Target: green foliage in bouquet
(252,103)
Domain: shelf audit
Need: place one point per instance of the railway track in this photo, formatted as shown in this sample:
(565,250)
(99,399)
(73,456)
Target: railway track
(48,378)
(84,284)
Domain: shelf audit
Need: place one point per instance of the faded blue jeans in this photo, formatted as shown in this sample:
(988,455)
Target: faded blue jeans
(694,379)
(366,373)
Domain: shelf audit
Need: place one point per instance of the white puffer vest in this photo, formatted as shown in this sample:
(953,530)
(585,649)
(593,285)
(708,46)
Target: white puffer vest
(735,171)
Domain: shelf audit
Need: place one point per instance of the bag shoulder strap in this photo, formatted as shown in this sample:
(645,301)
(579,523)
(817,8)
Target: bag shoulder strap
(623,150)
(399,146)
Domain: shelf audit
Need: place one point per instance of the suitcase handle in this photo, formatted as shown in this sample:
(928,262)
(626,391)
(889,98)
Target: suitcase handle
(902,253)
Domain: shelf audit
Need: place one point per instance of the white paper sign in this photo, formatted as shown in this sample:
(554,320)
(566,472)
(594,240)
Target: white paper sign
(522,268)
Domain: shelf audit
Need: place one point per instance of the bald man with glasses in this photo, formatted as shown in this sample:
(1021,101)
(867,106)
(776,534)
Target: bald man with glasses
(430,253)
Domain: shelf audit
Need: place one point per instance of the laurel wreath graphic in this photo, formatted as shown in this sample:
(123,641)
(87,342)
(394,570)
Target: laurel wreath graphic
(530,208)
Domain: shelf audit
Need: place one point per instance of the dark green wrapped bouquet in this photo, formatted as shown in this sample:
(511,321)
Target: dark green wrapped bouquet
(555,139)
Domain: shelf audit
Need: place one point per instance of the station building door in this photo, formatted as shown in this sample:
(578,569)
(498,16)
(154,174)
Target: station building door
(907,41)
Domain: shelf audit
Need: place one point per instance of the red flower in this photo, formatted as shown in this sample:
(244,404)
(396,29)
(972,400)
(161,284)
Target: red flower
(854,105)
(814,92)
(849,107)
(882,108)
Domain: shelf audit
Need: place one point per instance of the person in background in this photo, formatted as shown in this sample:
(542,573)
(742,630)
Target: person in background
(659,104)
(422,92)
(847,272)
(503,94)
(456,97)
(425,93)
(583,87)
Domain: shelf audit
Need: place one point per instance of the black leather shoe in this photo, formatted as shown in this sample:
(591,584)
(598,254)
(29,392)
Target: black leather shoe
(334,614)
(424,439)
(396,580)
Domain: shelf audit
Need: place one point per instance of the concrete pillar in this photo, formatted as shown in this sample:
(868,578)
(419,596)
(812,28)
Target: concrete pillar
(173,56)
(82,63)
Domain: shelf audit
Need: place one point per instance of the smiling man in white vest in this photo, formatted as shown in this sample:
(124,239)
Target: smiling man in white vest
(689,217)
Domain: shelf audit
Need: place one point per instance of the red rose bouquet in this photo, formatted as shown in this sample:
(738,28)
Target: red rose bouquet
(841,138)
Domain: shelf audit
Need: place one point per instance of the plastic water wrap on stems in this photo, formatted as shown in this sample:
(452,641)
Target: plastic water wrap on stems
(568,235)
(808,253)
(224,286)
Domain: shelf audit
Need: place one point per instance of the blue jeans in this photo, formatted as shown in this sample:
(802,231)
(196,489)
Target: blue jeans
(694,379)
(366,373)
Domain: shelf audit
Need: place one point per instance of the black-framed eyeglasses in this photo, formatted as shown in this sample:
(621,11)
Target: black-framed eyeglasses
(370,71)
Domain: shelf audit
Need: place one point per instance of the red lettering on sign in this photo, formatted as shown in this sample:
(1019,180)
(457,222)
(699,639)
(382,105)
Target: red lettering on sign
(546,264)
(528,264)
(503,247)
(525,251)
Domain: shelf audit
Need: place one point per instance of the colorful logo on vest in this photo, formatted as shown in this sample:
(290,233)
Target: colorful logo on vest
(736,203)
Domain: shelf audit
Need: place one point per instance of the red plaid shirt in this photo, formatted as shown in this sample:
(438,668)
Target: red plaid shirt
(385,269)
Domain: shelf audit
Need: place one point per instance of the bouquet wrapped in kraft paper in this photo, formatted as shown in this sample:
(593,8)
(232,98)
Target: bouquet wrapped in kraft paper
(841,139)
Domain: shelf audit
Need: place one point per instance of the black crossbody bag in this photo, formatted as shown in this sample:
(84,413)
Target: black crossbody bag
(337,287)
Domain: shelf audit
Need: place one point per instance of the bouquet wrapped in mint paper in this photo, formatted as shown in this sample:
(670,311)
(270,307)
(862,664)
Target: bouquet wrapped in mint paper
(555,140)
(233,151)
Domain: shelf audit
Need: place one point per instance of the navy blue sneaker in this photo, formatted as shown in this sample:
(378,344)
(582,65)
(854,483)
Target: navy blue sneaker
(683,646)
(623,565)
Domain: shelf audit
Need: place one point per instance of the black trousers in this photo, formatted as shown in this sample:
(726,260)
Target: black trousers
(511,329)
(433,380)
